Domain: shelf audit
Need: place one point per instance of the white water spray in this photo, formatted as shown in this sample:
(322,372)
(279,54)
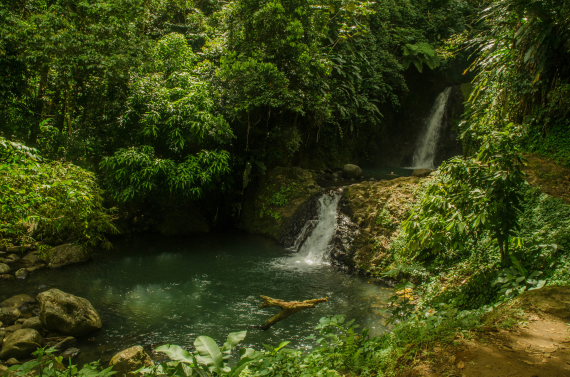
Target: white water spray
(314,248)
(426,146)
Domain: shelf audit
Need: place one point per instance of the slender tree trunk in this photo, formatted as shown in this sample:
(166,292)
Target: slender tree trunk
(504,248)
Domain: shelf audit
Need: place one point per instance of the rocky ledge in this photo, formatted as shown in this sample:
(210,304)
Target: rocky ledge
(370,216)
(17,262)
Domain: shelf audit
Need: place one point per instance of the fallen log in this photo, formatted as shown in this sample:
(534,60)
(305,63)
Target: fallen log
(287,308)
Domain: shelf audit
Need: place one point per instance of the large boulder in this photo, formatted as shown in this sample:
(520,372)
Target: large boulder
(351,171)
(4,268)
(422,172)
(129,360)
(68,314)
(20,343)
(63,255)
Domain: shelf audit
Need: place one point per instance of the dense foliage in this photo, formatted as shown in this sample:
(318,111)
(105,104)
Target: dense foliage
(155,90)
(174,99)
(48,201)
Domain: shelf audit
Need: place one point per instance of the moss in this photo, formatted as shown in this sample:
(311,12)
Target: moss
(273,203)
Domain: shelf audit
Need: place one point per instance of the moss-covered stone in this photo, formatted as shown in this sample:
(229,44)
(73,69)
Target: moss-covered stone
(378,208)
(271,206)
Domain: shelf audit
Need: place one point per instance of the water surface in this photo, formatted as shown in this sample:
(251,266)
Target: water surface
(154,290)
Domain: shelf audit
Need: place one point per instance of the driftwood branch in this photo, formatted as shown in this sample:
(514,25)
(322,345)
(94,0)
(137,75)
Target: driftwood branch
(287,308)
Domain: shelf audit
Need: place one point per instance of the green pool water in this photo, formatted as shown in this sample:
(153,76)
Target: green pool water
(153,290)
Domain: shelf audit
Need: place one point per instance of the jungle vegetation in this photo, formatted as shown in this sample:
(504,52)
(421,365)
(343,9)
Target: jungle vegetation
(115,103)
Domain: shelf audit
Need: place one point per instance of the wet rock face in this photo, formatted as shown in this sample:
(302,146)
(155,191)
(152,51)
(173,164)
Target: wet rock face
(21,343)
(342,254)
(129,360)
(67,314)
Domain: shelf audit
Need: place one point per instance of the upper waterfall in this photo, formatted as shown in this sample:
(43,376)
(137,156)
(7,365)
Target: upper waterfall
(426,145)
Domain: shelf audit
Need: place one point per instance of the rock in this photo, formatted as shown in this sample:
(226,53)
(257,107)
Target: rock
(68,314)
(11,258)
(32,323)
(22,273)
(23,302)
(20,343)
(70,353)
(377,209)
(7,277)
(272,206)
(422,172)
(129,360)
(66,254)
(35,268)
(4,268)
(351,171)
(9,315)
(31,259)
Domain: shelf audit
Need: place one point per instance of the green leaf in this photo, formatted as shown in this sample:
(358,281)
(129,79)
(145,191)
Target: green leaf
(234,338)
(209,353)
(176,353)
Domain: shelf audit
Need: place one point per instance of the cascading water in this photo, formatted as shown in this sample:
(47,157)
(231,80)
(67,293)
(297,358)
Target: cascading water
(426,146)
(314,248)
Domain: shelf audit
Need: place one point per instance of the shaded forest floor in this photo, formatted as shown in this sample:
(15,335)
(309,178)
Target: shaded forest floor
(527,338)
(550,177)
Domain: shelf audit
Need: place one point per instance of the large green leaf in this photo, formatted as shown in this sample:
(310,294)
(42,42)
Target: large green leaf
(234,338)
(209,354)
(176,353)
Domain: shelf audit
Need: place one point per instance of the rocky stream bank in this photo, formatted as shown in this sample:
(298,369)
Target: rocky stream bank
(368,219)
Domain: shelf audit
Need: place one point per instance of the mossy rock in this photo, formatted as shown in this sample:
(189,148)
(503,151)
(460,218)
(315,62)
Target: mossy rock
(378,208)
(271,206)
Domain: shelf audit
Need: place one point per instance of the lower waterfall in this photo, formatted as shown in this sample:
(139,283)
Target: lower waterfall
(314,248)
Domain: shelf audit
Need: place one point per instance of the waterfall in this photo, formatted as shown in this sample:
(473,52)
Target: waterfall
(314,248)
(426,146)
